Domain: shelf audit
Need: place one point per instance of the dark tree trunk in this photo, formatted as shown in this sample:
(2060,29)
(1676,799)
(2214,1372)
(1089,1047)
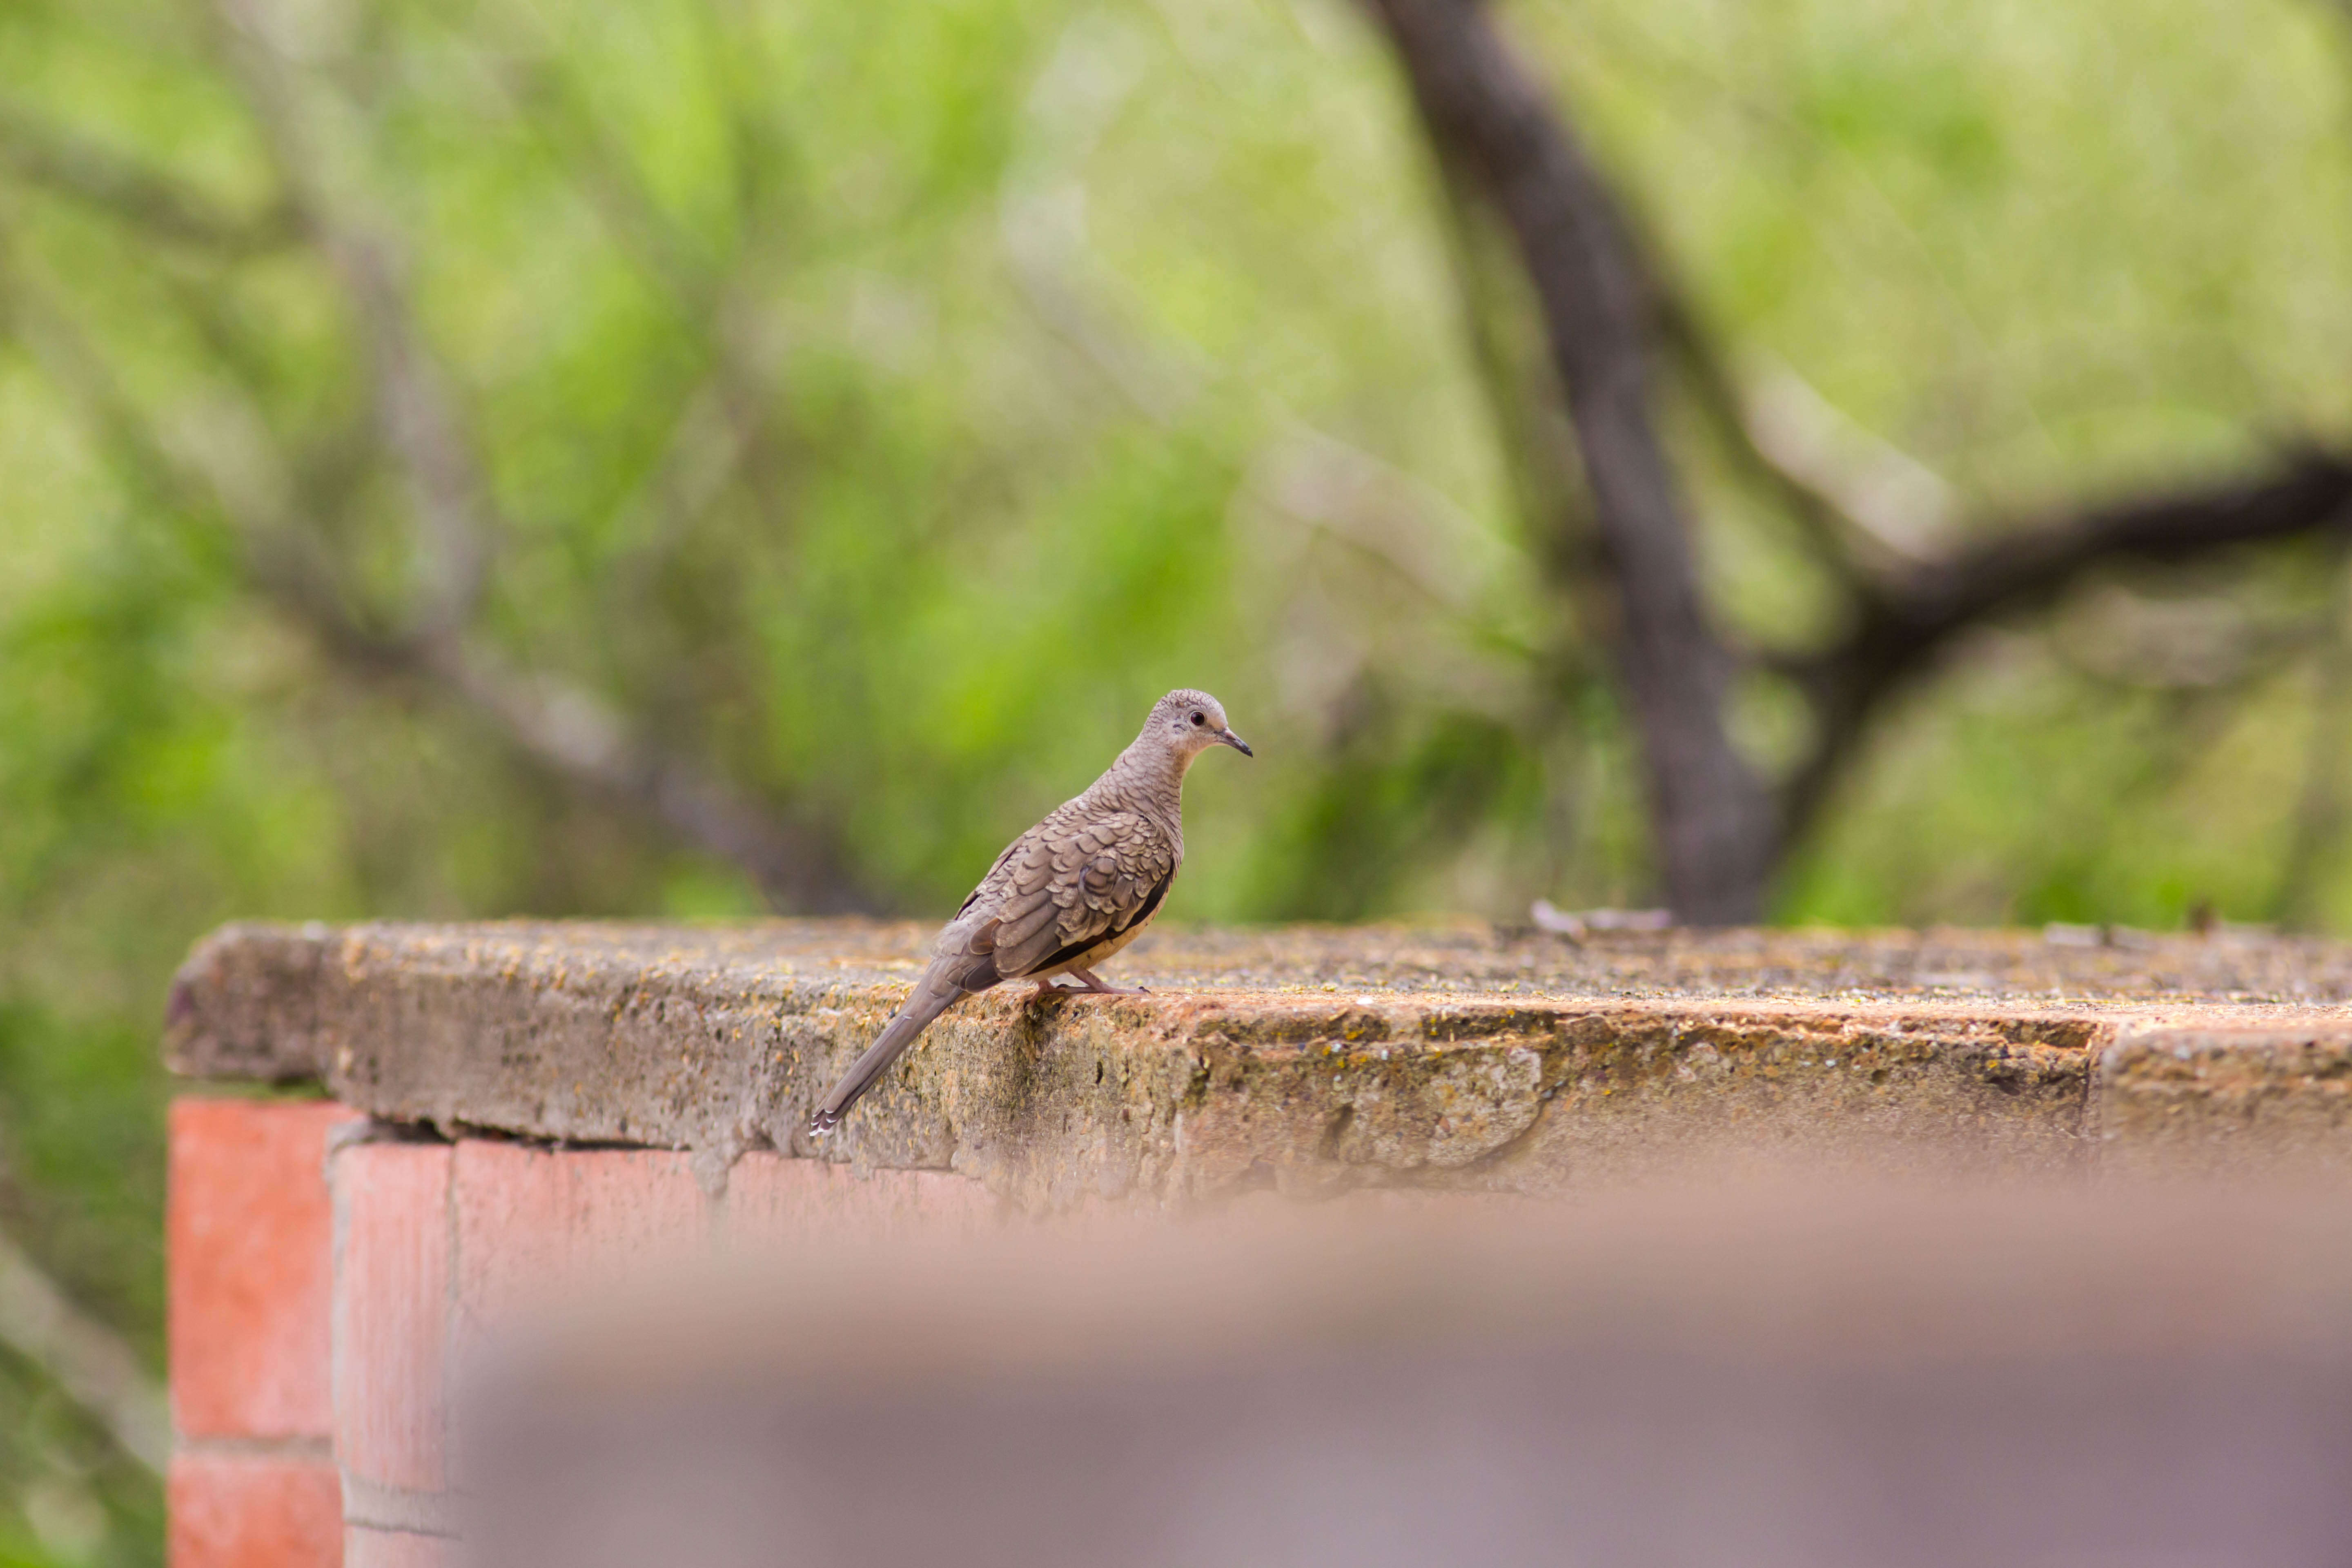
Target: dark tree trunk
(1714,820)
(1721,831)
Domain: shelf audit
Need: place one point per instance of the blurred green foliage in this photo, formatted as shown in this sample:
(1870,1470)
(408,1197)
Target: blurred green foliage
(885,401)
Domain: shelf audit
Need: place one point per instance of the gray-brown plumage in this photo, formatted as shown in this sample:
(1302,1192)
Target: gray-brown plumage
(1066,894)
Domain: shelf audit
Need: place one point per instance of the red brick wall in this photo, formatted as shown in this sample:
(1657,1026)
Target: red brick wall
(249,1245)
(316,1306)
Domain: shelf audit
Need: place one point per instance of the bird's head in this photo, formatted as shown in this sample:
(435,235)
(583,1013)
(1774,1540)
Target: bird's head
(1190,722)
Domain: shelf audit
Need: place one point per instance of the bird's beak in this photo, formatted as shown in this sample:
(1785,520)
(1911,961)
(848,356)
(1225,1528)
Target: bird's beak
(1226,737)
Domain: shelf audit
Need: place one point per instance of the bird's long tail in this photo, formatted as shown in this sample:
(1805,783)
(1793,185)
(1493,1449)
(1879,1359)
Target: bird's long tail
(934,995)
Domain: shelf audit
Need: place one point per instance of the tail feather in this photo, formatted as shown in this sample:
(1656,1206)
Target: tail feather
(934,995)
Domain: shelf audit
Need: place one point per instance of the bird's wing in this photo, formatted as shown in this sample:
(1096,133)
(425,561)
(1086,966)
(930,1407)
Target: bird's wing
(1069,883)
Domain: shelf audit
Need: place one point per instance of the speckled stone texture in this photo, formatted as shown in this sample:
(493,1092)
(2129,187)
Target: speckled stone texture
(1314,1059)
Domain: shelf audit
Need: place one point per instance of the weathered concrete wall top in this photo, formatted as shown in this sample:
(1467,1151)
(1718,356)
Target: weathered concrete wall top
(1316,1059)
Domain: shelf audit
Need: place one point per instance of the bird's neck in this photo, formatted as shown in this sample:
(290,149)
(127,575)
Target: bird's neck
(1146,778)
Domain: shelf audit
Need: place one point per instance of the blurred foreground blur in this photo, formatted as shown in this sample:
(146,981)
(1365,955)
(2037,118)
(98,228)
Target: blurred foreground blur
(1790,1374)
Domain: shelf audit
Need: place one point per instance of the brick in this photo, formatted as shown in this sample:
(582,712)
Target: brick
(249,1260)
(774,1201)
(235,1510)
(364,1548)
(633,1208)
(391,1317)
(535,1224)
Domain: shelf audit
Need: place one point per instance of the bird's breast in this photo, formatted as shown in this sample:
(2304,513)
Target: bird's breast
(1108,947)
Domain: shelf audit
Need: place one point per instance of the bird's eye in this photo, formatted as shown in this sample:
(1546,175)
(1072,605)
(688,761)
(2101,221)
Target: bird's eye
(1197,718)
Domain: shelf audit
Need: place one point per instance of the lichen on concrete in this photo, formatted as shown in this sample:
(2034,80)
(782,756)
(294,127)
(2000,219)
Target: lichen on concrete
(1312,1059)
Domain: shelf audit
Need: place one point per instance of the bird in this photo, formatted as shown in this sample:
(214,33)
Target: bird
(1066,895)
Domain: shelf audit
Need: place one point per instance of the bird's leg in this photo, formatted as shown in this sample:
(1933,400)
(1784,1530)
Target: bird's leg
(1087,978)
(1045,988)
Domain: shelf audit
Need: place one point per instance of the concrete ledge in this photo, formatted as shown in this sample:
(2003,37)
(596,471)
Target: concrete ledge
(1316,1058)
(2227,1101)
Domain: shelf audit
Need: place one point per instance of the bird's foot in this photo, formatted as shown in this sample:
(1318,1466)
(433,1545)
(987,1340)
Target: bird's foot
(1087,978)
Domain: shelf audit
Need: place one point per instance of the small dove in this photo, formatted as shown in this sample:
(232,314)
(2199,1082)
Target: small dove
(1066,894)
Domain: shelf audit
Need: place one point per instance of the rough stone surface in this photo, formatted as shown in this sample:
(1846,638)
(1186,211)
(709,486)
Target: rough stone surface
(2227,1101)
(244,1004)
(1313,1058)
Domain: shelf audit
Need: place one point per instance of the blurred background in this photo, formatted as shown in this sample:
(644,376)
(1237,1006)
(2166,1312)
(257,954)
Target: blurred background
(696,458)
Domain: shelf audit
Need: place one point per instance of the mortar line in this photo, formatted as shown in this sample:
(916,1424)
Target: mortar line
(309,1445)
(452,1270)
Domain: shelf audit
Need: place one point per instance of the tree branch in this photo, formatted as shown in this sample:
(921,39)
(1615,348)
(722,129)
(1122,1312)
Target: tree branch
(1828,527)
(1714,820)
(422,427)
(576,733)
(89,1360)
(729,440)
(1719,831)
(156,203)
(1900,631)
(1869,512)
(2296,903)
(1529,414)
(537,85)
(562,727)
